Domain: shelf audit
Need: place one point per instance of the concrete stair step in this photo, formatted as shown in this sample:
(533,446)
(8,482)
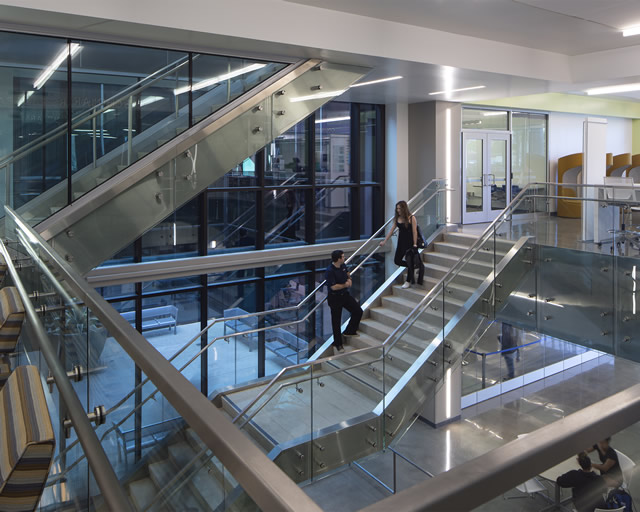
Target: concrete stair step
(458,292)
(215,467)
(414,340)
(463,277)
(459,238)
(205,487)
(430,319)
(402,360)
(142,493)
(476,265)
(404,306)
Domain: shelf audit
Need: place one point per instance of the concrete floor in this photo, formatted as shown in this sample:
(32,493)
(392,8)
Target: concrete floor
(482,428)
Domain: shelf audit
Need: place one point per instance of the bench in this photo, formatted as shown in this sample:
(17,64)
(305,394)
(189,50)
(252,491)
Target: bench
(162,317)
(149,435)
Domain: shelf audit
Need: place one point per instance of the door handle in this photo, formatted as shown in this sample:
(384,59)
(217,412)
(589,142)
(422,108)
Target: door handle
(487,182)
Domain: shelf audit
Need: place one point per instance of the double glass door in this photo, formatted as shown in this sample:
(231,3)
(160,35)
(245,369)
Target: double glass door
(486,175)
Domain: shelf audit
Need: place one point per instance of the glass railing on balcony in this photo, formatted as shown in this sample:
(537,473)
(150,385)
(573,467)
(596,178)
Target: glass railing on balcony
(119,131)
(104,358)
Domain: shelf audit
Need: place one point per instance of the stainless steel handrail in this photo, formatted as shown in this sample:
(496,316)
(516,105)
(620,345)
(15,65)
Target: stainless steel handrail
(408,321)
(471,484)
(247,332)
(102,470)
(269,487)
(46,138)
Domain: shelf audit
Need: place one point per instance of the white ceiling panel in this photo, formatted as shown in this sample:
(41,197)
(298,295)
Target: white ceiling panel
(571,27)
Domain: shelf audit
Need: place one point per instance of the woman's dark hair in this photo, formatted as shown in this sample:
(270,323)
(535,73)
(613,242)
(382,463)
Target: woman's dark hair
(404,212)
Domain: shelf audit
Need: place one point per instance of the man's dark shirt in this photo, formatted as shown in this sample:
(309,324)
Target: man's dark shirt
(335,275)
(615,471)
(586,489)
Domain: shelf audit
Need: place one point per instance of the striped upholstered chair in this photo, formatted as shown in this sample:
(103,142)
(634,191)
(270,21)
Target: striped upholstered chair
(11,319)
(27,442)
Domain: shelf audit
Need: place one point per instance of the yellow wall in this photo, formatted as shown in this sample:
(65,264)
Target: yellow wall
(574,104)
(635,136)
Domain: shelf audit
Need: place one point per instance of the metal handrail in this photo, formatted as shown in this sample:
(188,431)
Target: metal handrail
(44,139)
(473,483)
(250,331)
(101,467)
(270,488)
(243,333)
(408,321)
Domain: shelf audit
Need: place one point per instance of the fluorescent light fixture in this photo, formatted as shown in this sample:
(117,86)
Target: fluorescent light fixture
(333,119)
(458,90)
(24,98)
(109,110)
(149,100)
(217,79)
(71,49)
(377,81)
(631,31)
(213,244)
(492,114)
(612,89)
(317,96)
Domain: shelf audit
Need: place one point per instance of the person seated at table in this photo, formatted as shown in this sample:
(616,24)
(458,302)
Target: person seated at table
(609,466)
(586,486)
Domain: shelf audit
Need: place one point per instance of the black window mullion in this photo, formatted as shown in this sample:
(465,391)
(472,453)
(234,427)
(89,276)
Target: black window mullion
(354,158)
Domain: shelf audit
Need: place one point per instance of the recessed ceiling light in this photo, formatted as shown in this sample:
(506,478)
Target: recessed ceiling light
(612,89)
(458,90)
(377,81)
(631,31)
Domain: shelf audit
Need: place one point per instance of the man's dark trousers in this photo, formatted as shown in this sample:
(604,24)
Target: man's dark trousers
(337,301)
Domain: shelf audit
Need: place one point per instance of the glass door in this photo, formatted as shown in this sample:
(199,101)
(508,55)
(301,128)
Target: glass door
(486,175)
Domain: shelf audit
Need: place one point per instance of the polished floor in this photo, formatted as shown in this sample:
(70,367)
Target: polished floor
(482,428)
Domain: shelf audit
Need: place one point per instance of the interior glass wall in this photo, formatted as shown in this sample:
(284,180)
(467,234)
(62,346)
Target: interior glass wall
(528,149)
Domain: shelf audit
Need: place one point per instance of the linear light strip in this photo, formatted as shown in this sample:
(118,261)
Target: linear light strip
(217,79)
(72,49)
(611,89)
(328,94)
(333,119)
(631,31)
(458,90)
(377,81)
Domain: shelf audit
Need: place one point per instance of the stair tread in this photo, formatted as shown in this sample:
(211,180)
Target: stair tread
(142,492)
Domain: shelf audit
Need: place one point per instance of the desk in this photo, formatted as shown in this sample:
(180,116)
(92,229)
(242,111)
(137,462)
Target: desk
(553,473)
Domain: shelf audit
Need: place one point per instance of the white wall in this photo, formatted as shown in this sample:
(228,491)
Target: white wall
(565,137)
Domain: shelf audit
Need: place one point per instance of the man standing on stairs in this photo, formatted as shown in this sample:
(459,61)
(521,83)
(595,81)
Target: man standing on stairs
(338,283)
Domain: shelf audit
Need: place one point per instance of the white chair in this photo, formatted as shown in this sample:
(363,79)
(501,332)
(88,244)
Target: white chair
(528,488)
(626,465)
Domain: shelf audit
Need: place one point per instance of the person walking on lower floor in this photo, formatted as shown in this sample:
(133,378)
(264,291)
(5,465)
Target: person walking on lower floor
(407,247)
(338,284)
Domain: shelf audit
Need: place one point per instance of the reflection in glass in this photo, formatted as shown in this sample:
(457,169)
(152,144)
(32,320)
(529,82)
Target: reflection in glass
(475,119)
(498,169)
(473,158)
(528,150)
(176,236)
(287,161)
(232,221)
(333,213)
(369,172)
(217,80)
(370,211)
(284,217)
(333,139)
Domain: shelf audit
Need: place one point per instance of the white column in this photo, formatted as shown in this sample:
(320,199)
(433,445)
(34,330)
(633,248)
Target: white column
(445,404)
(593,172)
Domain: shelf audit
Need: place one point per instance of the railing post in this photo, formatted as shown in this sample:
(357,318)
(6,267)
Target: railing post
(484,371)
(130,130)
(95,148)
(394,472)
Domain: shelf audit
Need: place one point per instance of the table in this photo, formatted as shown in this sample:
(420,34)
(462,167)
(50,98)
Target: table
(553,473)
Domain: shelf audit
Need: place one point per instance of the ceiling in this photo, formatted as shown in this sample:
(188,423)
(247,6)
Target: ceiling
(571,27)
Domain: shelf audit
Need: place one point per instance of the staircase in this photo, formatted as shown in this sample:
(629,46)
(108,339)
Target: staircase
(116,205)
(321,415)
